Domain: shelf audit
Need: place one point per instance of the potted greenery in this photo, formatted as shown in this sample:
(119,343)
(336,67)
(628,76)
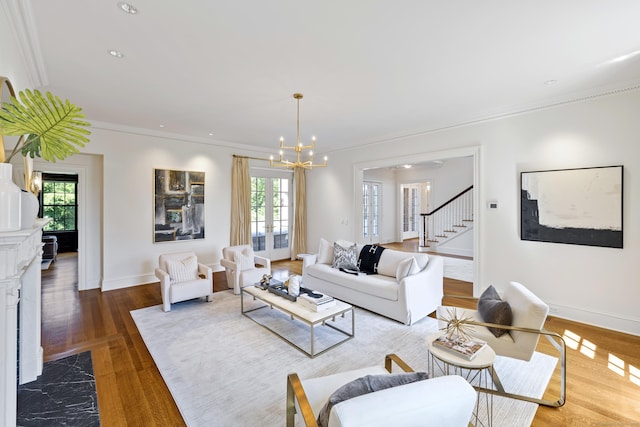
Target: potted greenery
(47,127)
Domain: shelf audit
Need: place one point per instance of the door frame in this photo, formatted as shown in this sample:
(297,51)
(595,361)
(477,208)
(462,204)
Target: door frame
(473,151)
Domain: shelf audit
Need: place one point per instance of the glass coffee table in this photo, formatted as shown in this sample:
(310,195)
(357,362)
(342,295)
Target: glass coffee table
(295,312)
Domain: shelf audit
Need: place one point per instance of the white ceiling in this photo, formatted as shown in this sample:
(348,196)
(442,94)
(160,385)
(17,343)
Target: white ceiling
(370,70)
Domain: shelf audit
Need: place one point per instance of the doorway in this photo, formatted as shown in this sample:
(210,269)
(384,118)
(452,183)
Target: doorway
(271,213)
(410,208)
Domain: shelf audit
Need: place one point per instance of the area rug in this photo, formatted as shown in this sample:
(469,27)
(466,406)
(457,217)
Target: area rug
(224,370)
(64,395)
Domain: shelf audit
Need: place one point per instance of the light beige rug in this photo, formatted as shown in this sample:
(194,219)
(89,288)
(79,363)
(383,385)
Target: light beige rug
(224,370)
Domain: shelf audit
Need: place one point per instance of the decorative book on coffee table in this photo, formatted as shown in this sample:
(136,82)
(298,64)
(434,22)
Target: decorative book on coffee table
(316,304)
(465,348)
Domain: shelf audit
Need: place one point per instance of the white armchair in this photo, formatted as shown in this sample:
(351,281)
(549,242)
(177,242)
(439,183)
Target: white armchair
(529,315)
(240,264)
(446,401)
(183,278)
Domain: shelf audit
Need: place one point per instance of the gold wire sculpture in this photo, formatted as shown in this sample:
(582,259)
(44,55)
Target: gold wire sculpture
(457,328)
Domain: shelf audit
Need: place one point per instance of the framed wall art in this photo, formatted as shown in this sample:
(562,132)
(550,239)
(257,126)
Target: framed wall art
(574,206)
(178,205)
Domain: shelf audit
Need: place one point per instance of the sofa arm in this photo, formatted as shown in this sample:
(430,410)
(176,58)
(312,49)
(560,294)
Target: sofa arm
(229,264)
(205,270)
(448,399)
(423,292)
(265,262)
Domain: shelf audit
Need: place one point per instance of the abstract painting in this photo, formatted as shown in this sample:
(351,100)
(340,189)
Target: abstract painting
(575,206)
(178,206)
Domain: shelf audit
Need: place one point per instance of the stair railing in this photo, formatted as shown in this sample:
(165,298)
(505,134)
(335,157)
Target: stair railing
(447,219)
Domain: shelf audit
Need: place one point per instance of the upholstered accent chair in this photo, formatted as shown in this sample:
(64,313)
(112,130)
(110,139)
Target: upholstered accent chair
(183,278)
(529,314)
(442,401)
(243,266)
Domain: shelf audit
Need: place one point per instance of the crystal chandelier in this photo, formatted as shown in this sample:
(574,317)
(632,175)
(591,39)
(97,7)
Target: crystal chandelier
(284,163)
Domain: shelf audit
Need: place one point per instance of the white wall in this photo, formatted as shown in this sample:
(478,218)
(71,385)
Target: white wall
(130,256)
(589,284)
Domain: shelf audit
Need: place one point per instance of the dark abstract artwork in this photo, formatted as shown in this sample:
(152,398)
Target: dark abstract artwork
(573,206)
(179,205)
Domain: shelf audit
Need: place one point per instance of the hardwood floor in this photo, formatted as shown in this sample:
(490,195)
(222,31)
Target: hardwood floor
(603,366)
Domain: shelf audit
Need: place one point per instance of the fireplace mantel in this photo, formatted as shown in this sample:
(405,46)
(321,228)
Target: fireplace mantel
(20,259)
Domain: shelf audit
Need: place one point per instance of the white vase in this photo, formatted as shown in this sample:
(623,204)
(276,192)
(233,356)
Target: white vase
(10,200)
(29,209)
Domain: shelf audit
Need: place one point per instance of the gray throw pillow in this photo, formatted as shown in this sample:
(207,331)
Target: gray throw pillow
(364,385)
(493,309)
(345,257)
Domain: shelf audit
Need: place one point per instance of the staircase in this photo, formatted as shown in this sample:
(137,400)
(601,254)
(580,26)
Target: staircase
(449,220)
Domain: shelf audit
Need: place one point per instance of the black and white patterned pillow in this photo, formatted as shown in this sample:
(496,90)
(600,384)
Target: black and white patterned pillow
(345,257)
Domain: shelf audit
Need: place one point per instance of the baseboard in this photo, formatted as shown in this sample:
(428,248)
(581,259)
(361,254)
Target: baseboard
(601,320)
(129,281)
(454,251)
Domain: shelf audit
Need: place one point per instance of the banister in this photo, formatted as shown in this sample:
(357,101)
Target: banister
(447,202)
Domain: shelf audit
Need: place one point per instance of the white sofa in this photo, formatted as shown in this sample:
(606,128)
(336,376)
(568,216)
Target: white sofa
(405,299)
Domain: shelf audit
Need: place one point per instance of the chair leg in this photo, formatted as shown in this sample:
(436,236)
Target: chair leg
(561,347)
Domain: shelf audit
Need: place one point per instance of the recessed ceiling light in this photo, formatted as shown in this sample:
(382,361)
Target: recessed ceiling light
(210,133)
(550,82)
(128,8)
(407,166)
(161,126)
(116,53)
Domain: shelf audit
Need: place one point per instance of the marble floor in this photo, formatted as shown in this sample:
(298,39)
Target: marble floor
(64,395)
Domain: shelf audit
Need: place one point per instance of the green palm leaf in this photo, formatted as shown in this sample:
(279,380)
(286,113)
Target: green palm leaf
(54,128)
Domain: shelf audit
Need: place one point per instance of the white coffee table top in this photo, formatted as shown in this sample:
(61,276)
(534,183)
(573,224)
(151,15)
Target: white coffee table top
(483,359)
(297,309)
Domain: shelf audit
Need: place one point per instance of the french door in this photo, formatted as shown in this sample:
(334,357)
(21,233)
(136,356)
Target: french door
(371,212)
(410,210)
(271,213)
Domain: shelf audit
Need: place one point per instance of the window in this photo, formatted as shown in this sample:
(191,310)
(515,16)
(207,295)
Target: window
(59,202)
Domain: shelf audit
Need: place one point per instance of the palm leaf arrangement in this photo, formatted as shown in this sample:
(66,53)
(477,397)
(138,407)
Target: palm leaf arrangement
(48,127)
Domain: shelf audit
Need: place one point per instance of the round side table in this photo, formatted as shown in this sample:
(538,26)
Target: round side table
(478,372)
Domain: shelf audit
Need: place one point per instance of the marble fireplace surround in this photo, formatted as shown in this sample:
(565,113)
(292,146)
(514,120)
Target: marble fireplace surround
(20,258)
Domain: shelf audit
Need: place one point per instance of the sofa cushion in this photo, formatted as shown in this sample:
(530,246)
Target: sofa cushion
(183,270)
(345,257)
(376,285)
(364,385)
(493,309)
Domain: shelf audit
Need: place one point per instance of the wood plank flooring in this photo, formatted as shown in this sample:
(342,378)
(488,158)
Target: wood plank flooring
(603,367)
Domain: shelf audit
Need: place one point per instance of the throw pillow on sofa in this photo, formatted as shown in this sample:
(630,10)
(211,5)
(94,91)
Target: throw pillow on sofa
(325,252)
(493,309)
(406,268)
(345,257)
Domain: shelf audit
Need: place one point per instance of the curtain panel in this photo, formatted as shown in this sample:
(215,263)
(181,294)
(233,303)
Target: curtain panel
(299,244)
(240,202)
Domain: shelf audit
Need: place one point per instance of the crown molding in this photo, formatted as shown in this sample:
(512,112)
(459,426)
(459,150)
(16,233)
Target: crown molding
(20,18)
(114,127)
